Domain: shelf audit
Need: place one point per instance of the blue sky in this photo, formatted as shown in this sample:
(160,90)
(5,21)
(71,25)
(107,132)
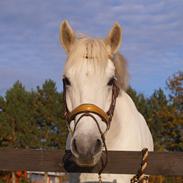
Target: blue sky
(30,49)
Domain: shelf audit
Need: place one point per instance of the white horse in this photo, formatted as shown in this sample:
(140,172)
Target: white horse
(92,69)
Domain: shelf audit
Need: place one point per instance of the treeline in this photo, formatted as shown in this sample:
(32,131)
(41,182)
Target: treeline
(164,113)
(34,119)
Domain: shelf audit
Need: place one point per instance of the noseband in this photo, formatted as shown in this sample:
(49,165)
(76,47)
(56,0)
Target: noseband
(90,109)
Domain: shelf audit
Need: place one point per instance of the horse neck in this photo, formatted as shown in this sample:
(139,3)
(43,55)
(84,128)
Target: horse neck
(123,123)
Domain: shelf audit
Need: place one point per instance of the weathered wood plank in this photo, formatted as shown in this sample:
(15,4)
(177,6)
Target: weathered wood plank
(164,163)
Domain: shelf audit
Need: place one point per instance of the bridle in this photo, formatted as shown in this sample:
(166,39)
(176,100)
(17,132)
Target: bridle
(88,109)
(91,110)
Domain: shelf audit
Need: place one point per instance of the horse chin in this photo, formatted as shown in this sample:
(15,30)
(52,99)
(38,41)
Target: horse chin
(84,163)
(87,162)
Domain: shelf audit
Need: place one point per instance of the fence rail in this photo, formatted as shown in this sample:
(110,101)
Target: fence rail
(120,162)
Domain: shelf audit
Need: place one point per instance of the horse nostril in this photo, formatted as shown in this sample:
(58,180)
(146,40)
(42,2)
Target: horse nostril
(86,149)
(98,143)
(98,146)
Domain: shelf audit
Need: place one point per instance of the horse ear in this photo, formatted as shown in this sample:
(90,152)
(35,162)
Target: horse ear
(67,35)
(113,40)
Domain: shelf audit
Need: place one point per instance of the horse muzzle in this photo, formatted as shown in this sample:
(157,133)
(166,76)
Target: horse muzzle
(86,150)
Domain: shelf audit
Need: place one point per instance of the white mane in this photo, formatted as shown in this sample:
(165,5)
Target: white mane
(95,52)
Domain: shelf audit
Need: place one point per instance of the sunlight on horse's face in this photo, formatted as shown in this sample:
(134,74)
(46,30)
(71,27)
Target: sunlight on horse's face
(88,85)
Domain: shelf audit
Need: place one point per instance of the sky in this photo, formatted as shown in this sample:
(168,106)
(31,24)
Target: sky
(29,38)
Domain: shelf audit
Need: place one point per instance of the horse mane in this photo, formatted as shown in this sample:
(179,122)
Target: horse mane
(121,70)
(94,50)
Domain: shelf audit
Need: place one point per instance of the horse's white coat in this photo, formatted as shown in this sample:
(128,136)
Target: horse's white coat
(128,131)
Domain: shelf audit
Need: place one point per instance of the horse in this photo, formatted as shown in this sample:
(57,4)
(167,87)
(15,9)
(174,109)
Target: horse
(98,109)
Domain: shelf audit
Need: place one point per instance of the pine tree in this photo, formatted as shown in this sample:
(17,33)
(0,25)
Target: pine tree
(5,129)
(48,115)
(16,119)
(175,86)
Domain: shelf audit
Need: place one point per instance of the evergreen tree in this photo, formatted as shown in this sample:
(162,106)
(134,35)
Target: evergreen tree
(48,115)
(18,128)
(175,86)
(157,103)
(5,129)
(32,119)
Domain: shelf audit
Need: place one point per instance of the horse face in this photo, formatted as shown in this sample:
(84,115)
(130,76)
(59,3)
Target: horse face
(89,76)
(93,87)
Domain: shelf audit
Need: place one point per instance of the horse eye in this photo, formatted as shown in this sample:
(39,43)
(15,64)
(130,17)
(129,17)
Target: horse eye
(66,81)
(111,81)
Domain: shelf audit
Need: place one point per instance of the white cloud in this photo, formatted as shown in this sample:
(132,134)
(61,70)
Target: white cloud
(152,33)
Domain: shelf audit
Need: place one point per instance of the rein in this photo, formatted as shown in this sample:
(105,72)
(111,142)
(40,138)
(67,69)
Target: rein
(91,110)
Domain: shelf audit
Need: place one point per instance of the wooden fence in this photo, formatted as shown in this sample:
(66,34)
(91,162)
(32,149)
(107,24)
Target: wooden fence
(120,162)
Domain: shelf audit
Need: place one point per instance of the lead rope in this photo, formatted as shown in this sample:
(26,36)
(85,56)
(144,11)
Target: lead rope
(99,178)
(140,177)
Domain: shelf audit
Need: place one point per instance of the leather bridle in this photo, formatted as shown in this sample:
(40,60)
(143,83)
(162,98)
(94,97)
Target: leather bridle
(91,110)
(88,109)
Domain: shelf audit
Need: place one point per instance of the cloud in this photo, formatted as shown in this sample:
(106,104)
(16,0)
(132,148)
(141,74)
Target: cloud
(152,37)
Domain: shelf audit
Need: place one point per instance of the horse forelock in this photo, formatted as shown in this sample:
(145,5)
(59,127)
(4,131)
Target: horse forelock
(94,51)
